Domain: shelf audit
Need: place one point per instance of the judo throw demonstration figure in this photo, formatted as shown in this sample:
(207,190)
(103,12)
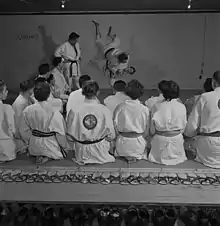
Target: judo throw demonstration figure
(116,60)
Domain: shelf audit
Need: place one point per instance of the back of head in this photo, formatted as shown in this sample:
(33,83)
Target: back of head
(119,86)
(42,91)
(216,79)
(44,69)
(123,57)
(134,89)
(161,84)
(90,89)
(83,79)
(207,86)
(74,36)
(27,85)
(56,61)
(170,90)
(50,78)
(2,86)
(39,80)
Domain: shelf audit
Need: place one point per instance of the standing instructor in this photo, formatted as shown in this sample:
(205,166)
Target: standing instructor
(71,55)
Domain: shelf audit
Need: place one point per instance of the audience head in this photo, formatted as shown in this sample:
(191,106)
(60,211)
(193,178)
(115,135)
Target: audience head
(134,89)
(42,91)
(3,90)
(207,86)
(119,86)
(73,38)
(27,87)
(39,80)
(170,90)
(161,84)
(123,57)
(90,89)
(83,79)
(216,80)
(44,69)
(51,79)
(57,62)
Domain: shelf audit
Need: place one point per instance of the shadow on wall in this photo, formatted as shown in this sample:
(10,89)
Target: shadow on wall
(48,47)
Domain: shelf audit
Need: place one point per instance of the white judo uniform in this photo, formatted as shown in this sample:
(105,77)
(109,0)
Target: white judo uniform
(60,81)
(168,121)
(19,105)
(91,127)
(39,124)
(7,132)
(131,120)
(112,101)
(71,57)
(111,50)
(204,125)
(154,100)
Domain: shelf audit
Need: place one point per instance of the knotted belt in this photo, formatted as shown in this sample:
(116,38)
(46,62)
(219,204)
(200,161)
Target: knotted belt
(71,69)
(41,134)
(85,142)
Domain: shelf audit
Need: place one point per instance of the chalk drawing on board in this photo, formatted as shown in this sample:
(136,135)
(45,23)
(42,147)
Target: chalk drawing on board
(48,45)
(109,58)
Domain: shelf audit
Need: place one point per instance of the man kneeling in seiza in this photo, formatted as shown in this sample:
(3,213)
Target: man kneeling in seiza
(203,126)
(43,128)
(117,61)
(90,127)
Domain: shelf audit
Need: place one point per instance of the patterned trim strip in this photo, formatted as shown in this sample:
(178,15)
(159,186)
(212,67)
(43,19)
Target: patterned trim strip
(105,178)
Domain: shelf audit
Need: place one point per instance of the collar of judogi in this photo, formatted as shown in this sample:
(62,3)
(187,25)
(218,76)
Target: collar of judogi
(217,89)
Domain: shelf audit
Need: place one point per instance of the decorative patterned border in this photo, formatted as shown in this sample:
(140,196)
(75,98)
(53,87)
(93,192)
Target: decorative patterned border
(111,176)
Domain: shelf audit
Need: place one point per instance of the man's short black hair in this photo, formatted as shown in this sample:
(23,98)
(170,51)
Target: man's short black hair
(83,79)
(119,86)
(207,86)
(56,61)
(134,89)
(42,91)
(170,90)
(44,69)
(74,36)
(26,85)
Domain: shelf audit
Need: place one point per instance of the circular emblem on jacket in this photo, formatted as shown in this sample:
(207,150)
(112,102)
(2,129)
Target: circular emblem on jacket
(90,122)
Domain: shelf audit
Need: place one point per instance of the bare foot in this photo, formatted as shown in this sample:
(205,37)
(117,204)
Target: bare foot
(95,23)
(41,160)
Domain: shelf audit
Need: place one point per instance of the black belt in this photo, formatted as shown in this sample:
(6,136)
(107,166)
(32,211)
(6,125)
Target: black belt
(108,51)
(213,134)
(37,133)
(85,142)
(71,69)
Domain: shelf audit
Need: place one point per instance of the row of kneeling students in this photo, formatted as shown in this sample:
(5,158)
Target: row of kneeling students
(158,130)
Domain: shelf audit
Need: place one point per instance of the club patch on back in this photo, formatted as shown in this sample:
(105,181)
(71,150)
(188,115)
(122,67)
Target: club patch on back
(90,121)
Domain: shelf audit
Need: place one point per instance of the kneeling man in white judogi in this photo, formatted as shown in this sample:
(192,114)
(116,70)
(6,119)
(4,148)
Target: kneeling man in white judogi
(204,125)
(90,127)
(7,127)
(131,120)
(168,122)
(43,128)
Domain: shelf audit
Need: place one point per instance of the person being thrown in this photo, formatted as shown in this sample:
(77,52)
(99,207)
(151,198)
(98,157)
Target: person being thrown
(117,61)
